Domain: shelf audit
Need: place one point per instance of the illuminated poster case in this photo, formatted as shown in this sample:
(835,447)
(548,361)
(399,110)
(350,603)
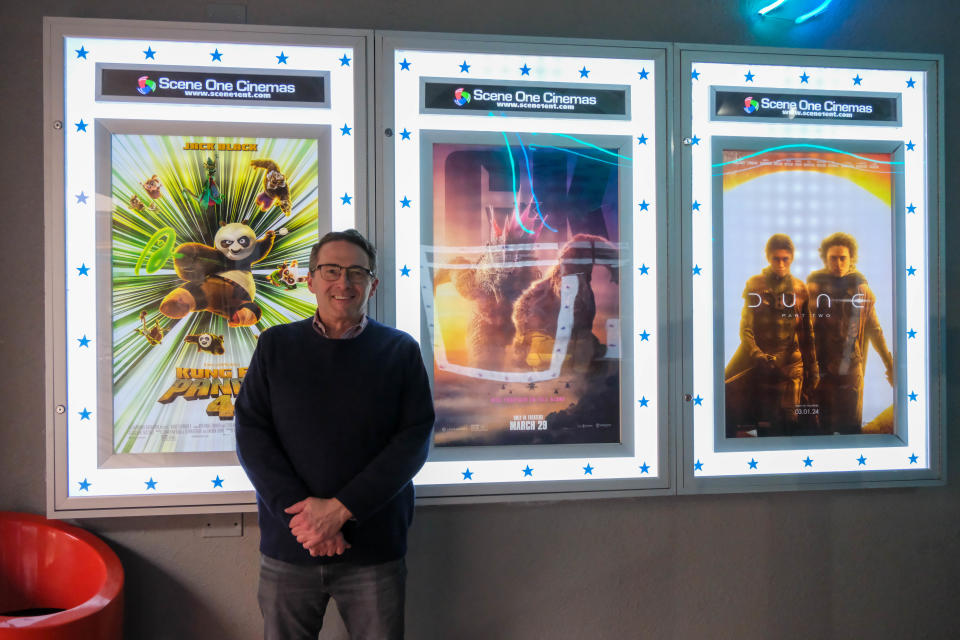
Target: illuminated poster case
(189,169)
(524,210)
(812,227)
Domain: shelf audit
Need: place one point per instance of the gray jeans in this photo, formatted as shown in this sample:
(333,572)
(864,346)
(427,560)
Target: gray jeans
(293,599)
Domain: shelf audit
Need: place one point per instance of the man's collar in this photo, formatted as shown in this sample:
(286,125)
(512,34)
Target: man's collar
(352,332)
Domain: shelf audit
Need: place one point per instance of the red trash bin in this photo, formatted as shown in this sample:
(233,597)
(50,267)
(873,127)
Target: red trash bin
(57,582)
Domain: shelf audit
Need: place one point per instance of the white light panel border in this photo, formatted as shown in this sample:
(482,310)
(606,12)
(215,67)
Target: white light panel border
(911,86)
(409,66)
(81,111)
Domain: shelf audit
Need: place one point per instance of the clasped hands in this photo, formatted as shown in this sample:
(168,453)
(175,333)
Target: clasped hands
(317,524)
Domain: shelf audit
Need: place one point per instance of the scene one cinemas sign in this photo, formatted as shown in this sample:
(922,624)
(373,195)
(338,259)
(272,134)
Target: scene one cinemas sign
(526,99)
(806,107)
(158,84)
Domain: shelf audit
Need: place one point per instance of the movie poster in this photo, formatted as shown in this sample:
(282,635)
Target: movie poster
(525,308)
(808,297)
(210,240)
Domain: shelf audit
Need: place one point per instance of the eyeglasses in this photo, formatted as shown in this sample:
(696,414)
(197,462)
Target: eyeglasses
(355,274)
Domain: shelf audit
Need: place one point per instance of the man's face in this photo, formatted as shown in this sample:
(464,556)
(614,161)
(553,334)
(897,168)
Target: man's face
(838,260)
(780,261)
(341,302)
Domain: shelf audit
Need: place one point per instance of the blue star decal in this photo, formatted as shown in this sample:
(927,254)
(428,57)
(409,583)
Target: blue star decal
(912,208)
(467,475)
(464,67)
(524,70)
(695,140)
(81,52)
(911,334)
(282,58)
(84,341)
(911,145)
(643,401)
(217,482)
(804,78)
(913,458)
(808,461)
(584,72)
(644,206)
(911,270)
(642,139)
(644,269)
(588,470)
(81,126)
(698,466)
(405,203)
(216,55)
(861,460)
(346,198)
(405,271)
(528,471)
(84,485)
(151,484)
(149,54)
(82,198)
(856,80)
(404,65)
(748,75)
(697,269)
(644,468)
(644,336)
(698,401)
(345,61)
(643,73)
(83,269)
(694,74)
(911,83)
(85,414)
(345,130)
(696,205)
(913,396)
(752,463)
(405,135)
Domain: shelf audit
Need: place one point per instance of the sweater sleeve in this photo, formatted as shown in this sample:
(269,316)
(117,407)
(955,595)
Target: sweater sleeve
(390,471)
(259,448)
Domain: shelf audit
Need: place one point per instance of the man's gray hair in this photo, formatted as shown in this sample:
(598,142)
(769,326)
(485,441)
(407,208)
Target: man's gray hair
(350,235)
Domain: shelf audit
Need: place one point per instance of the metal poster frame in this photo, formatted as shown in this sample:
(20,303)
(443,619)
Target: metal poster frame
(409,64)
(83,112)
(908,129)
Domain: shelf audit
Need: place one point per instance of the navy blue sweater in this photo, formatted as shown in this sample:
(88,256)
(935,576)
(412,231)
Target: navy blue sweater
(346,419)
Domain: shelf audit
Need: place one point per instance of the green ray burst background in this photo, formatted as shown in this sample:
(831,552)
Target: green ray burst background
(142,372)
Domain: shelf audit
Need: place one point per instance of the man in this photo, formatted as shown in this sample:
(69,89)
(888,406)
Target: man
(775,365)
(332,422)
(845,316)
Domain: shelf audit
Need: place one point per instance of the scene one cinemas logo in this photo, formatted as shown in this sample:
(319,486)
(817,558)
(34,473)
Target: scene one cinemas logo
(175,84)
(526,99)
(805,107)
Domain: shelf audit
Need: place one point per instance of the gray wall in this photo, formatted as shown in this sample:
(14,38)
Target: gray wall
(878,563)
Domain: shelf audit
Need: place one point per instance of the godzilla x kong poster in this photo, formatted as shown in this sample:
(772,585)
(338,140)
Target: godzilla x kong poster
(209,242)
(525,307)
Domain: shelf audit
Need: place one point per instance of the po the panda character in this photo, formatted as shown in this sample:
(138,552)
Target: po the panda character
(206,342)
(218,279)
